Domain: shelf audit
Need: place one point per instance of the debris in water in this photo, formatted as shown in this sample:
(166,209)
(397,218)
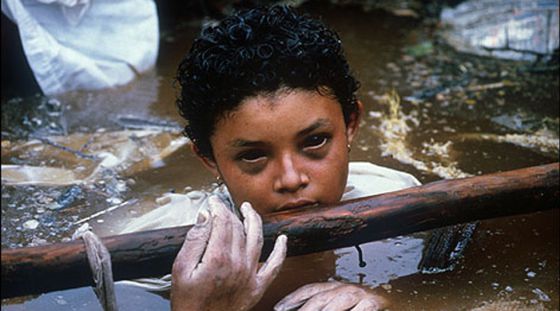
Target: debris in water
(127,152)
(509,305)
(445,247)
(519,30)
(137,123)
(544,142)
(35,175)
(421,49)
(542,296)
(112,208)
(67,198)
(31,224)
(114,200)
(394,128)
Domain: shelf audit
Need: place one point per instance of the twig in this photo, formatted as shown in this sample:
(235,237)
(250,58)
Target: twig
(112,208)
(62,147)
(489,86)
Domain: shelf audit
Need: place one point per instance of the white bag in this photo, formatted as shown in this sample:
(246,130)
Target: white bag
(85,44)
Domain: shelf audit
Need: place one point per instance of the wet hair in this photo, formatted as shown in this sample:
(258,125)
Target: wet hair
(259,52)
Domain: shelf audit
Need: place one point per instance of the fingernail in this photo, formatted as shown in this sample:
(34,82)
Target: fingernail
(245,207)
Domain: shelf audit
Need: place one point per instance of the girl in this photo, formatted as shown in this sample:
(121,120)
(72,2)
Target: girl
(272,113)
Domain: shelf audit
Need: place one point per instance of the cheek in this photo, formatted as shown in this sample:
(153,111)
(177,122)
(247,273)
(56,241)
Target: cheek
(331,175)
(248,189)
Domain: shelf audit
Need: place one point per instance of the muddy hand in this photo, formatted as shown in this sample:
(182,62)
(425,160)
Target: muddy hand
(331,296)
(217,267)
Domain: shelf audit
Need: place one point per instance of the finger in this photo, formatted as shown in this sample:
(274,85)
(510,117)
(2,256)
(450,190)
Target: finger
(302,294)
(193,248)
(269,270)
(317,302)
(219,243)
(342,299)
(253,228)
(238,242)
(366,305)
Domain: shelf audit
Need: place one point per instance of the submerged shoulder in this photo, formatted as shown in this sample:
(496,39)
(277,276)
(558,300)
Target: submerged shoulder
(377,171)
(174,210)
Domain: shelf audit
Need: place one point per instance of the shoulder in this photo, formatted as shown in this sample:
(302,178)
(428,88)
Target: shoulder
(365,179)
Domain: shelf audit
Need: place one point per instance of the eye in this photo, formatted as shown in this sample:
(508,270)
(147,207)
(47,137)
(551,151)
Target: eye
(316,141)
(252,156)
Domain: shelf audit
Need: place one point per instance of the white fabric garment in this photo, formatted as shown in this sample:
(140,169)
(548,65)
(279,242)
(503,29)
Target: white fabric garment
(85,44)
(364,179)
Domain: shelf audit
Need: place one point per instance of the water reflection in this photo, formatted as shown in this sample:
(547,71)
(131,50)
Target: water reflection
(385,260)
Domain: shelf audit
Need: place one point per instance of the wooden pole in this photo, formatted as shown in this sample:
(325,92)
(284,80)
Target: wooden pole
(151,253)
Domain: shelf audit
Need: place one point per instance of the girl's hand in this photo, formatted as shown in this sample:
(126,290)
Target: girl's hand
(217,266)
(331,296)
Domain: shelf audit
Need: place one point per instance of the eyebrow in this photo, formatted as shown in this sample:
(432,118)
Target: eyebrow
(240,143)
(315,125)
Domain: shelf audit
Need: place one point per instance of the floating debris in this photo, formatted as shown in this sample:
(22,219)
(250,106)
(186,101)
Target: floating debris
(66,199)
(420,49)
(509,305)
(394,128)
(510,29)
(35,175)
(445,247)
(542,141)
(137,123)
(127,152)
(542,296)
(39,116)
(525,122)
(110,209)
(31,224)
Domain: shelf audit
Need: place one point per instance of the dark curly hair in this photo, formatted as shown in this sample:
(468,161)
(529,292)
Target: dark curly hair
(254,52)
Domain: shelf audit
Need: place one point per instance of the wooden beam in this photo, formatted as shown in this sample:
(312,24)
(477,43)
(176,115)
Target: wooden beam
(151,253)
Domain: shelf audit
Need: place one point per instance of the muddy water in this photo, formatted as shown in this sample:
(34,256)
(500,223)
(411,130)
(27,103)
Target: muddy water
(455,115)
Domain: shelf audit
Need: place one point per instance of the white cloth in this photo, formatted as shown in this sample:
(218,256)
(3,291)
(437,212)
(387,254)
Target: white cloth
(364,179)
(85,44)
(176,210)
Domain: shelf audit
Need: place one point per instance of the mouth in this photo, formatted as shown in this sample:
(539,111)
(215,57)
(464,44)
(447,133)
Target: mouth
(297,204)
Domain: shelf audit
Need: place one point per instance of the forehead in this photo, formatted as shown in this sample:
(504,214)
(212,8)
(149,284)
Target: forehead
(284,112)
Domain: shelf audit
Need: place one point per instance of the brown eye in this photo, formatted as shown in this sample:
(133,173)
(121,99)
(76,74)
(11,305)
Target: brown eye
(252,156)
(315,141)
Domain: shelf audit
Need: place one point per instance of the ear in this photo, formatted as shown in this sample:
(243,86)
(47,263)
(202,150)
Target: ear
(209,164)
(354,122)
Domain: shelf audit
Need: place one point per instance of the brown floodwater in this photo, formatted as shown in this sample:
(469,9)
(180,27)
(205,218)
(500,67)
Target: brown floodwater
(451,121)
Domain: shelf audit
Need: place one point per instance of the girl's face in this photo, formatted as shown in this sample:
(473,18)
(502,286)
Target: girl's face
(283,151)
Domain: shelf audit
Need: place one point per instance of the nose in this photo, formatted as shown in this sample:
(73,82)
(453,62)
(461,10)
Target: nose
(290,177)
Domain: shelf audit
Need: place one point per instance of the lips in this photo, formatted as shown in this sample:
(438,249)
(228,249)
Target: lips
(296,204)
